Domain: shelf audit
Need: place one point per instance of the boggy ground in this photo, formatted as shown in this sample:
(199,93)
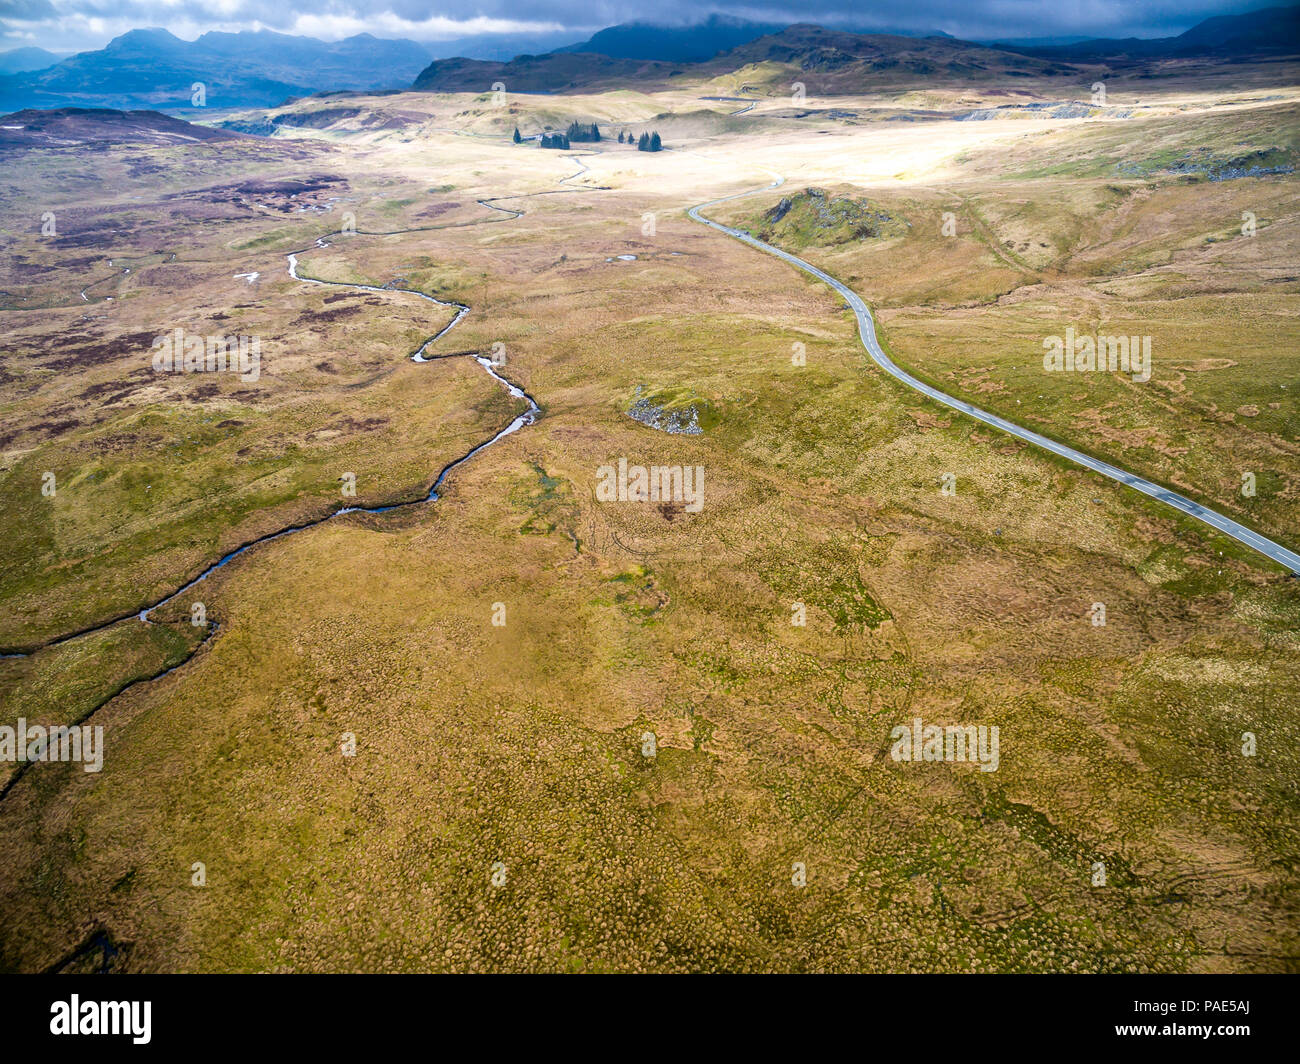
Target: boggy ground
(499,812)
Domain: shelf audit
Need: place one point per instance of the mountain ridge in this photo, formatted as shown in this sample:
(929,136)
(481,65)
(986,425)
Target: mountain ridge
(1262,31)
(700,41)
(152,67)
(841,61)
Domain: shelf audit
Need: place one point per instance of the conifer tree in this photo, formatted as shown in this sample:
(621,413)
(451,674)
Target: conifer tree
(518,138)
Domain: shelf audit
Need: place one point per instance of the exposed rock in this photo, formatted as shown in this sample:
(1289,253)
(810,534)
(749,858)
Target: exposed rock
(780,210)
(682,421)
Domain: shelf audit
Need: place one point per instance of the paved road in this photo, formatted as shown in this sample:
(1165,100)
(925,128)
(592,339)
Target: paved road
(867,331)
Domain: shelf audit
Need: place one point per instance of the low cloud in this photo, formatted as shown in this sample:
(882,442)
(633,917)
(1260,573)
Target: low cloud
(67,25)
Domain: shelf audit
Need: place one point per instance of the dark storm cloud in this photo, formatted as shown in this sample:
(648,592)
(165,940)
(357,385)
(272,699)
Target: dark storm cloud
(967,18)
(65,25)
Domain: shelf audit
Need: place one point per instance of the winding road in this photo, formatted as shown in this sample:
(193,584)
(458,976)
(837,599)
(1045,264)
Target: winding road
(866,331)
(1288,559)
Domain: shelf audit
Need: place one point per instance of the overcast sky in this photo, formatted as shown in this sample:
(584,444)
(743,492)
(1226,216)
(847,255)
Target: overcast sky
(77,25)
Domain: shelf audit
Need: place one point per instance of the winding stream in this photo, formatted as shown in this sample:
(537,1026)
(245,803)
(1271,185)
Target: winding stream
(866,329)
(529,416)
(526,418)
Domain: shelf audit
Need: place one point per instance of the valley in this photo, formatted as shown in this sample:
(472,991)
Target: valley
(530,728)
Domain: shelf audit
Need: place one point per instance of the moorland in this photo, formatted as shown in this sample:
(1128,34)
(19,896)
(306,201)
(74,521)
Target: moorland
(499,655)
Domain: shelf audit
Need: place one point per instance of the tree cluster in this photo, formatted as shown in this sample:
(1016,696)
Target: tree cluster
(577,131)
(645,142)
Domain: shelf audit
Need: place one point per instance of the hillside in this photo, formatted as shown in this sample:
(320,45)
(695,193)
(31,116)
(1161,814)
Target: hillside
(21,60)
(69,127)
(839,62)
(842,62)
(556,72)
(1269,31)
(846,62)
(700,41)
(813,217)
(674,44)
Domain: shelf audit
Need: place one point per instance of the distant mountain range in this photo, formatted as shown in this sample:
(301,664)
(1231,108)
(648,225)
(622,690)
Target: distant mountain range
(152,68)
(498,46)
(20,60)
(674,44)
(1269,30)
(838,62)
(155,68)
(699,41)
